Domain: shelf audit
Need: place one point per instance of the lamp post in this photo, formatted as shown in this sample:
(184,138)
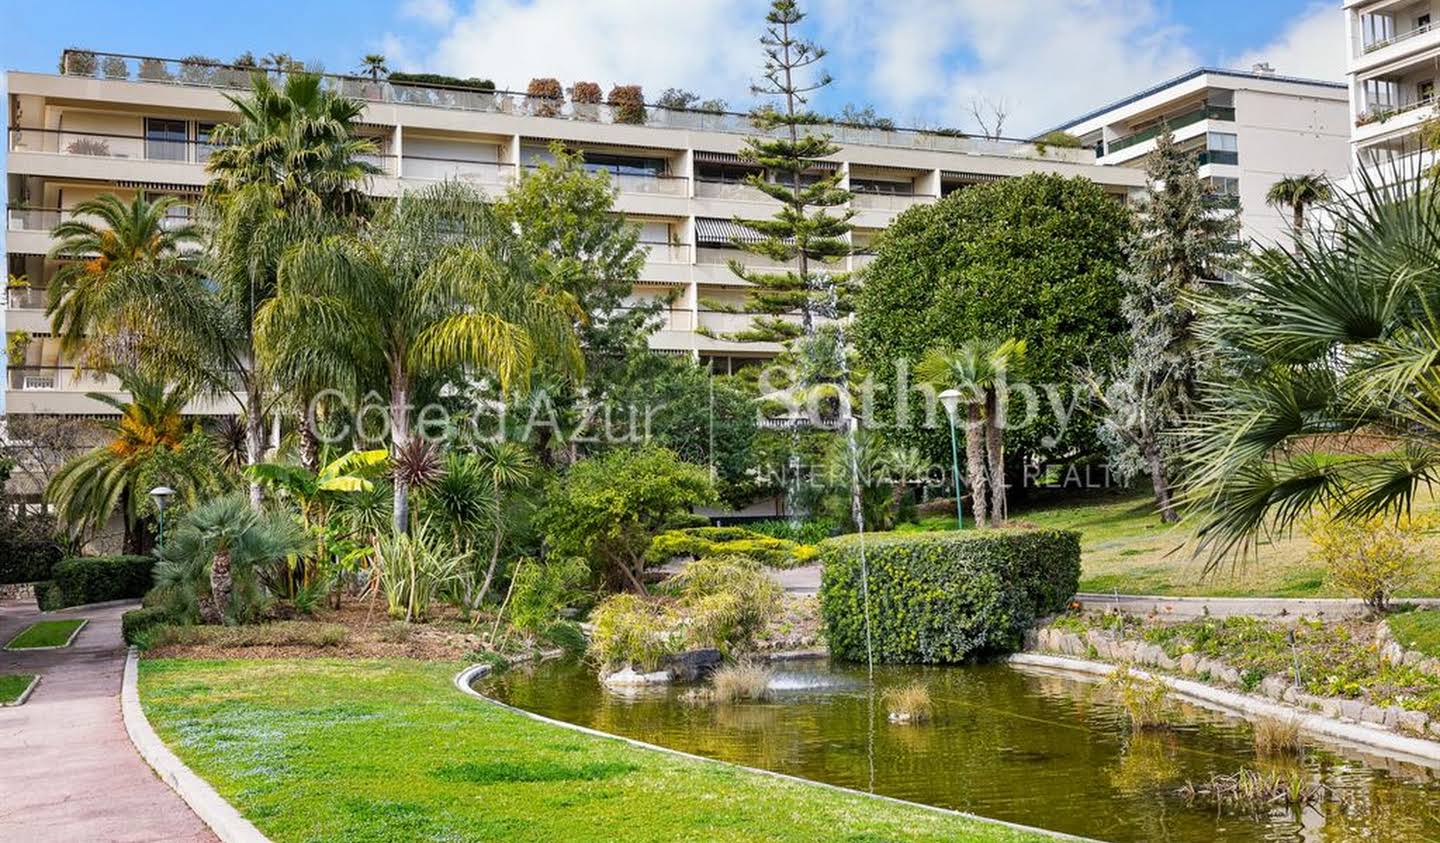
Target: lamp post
(950,398)
(161,496)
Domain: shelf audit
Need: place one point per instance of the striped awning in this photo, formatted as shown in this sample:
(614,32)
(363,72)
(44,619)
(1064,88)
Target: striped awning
(724,232)
(730,159)
(970,178)
(165,187)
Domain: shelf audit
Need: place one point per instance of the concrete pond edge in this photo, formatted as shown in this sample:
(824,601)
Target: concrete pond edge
(1415,750)
(208,805)
(465,679)
(84,622)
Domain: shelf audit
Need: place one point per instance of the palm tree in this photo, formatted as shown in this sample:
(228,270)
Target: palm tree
(104,244)
(980,368)
(1335,348)
(223,542)
(1296,193)
(374,65)
(431,284)
(88,490)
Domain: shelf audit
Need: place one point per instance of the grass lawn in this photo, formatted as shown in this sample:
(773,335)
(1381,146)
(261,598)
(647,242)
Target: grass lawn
(382,750)
(44,634)
(1125,549)
(1418,630)
(12,685)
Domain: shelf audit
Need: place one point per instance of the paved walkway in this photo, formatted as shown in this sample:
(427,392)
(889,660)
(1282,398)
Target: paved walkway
(70,772)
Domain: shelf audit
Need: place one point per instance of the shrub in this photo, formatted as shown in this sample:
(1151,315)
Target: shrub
(76,62)
(542,589)
(278,634)
(809,531)
(98,147)
(545,96)
(698,542)
(414,568)
(632,631)
(1143,697)
(136,624)
(724,601)
(154,70)
(48,596)
(628,104)
(471,83)
(95,579)
(28,549)
(585,93)
(114,67)
(1278,736)
(1369,558)
(743,681)
(908,704)
(943,597)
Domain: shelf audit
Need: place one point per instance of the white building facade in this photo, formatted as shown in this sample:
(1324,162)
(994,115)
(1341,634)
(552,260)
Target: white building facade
(1249,129)
(1393,65)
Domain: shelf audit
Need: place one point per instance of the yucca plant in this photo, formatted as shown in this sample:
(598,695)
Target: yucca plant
(413,568)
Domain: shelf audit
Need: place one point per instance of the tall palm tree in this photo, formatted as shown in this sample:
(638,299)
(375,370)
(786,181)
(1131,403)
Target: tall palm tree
(1334,347)
(104,243)
(1296,193)
(431,284)
(87,491)
(374,65)
(981,369)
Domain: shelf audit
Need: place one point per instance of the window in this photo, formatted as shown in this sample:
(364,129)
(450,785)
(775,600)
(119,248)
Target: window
(203,147)
(165,139)
(1222,142)
(1425,91)
(725,173)
(1422,21)
(1224,186)
(893,188)
(624,165)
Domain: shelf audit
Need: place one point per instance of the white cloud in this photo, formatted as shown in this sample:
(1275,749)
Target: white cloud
(1313,46)
(708,46)
(433,12)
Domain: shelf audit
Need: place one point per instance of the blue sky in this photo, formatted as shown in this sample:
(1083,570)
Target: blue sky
(920,61)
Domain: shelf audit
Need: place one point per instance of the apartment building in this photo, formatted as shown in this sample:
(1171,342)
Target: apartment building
(1249,129)
(122,123)
(1393,63)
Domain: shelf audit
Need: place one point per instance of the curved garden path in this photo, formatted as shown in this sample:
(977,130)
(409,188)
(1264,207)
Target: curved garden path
(70,771)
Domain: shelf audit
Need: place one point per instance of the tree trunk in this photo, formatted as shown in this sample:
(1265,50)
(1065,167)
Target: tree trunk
(254,441)
(975,465)
(633,577)
(1299,219)
(490,570)
(995,450)
(220,583)
(1161,481)
(400,437)
(309,442)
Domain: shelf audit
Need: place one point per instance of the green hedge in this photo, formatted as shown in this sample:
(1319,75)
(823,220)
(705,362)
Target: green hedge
(701,542)
(27,550)
(944,597)
(136,622)
(95,579)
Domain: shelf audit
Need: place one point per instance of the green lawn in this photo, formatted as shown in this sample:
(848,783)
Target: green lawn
(1125,549)
(316,749)
(44,634)
(1418,630)
(12,685)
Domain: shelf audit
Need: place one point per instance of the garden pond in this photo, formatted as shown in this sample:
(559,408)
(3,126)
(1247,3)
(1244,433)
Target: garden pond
(1014,743)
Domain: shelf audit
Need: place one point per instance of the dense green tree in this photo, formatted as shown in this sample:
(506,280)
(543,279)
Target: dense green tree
(1181,248)
(1037,258)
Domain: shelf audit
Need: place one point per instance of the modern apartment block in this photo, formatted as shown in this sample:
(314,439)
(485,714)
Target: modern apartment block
(1393,63)
(1249,128)
(121,123)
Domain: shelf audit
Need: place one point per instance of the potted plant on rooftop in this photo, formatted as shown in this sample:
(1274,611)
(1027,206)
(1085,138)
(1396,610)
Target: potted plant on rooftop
(627,104)
(585,96)
(544,97)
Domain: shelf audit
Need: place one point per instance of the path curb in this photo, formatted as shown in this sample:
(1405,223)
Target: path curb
(1416,750)
(208,805)
(465,678)
(25,694)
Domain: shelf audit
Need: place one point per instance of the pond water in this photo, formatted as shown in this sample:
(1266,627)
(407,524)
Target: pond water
(1014,743)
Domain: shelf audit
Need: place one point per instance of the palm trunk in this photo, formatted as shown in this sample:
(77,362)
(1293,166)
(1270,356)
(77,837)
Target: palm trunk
(254,441)
(995,450)
(975,465)
(400,437)
(1161,482)
(309,442)
(1299,219)
(220,583)
(490,570)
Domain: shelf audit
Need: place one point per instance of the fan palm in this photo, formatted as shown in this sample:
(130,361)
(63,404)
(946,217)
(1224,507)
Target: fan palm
(980,369)
(90,489)
(1296,193)
(1335,346)
(373,64)
(431,284)
(104,243)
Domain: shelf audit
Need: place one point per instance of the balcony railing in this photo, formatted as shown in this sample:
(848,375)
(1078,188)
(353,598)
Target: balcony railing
(1380,113)
(889,201)
(717,256)
(484,173)
(1206,112)
(25,298)
(649,184)
(734,191)
(45,219)
(133,68)
(133,147)
(60,379)
(1216,156)
(1382,43)
(673,253)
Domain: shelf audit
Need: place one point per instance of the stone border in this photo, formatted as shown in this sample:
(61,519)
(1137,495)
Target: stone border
(464,679)
(1415,750)
(84,622)
(25,694)
(213,810)
(1225,607)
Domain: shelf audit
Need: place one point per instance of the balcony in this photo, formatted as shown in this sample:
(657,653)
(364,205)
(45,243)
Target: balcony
(1398,38)
(874,200)
(732,191)
(60,379)
(481,173)
(154,70)
(1189,118)
(718,256)
(666,253)
(25,298)
(43,220)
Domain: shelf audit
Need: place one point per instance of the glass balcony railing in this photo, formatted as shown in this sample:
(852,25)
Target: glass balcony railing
(149,69)
(45,219)
(1382,43)
(733,191)
(1216,156)
(60,379)
(889,201)
(483,173)
(133,147)
(1208,112)
(25,298)
(667,253)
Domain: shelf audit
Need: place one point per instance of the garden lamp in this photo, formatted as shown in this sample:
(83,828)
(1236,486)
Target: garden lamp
(161,496)
(950,398)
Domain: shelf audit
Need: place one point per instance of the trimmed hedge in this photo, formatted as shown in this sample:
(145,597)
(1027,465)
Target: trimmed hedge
(701,542)
(95,579)
(945,597)
(136,622)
